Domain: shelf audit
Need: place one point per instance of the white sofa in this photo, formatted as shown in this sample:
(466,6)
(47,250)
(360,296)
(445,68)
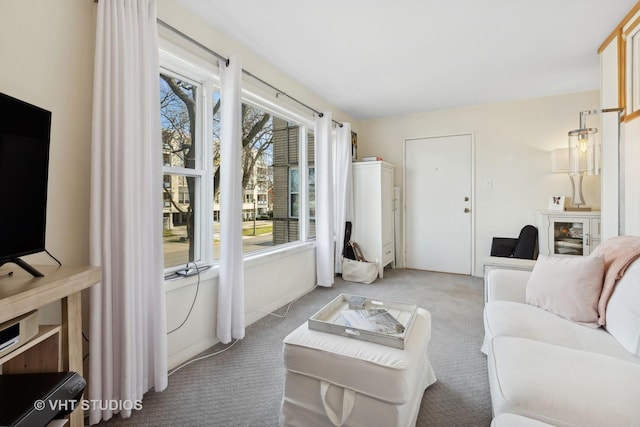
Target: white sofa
(547,368)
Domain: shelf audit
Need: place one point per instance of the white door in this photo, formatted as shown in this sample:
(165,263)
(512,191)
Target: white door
(438,217)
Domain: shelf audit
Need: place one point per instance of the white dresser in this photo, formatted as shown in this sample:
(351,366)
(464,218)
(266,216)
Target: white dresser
(373,212)
(568,232)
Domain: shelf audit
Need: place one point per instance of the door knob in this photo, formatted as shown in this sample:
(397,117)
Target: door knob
(467,210)
(466,199)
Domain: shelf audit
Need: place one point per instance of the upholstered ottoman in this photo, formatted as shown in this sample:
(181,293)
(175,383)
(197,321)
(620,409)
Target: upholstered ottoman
(334,380)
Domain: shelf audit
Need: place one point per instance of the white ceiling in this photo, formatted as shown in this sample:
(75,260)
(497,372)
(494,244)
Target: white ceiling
(379,58)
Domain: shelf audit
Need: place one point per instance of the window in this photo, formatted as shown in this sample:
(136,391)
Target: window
(183,171)
(272,144)
(294,192)
(183,195)
(293,148)
(312,183)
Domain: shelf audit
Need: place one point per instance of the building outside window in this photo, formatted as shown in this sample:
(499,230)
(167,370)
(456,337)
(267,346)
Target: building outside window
(312,183)
(286,213)
(294,192)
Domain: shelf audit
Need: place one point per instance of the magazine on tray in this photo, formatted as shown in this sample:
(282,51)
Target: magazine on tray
(374,319)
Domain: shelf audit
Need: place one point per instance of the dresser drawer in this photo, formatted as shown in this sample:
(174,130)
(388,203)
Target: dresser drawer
(388,254)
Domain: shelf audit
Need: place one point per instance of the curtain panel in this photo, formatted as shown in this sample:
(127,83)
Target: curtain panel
(324,200)
(343,189)
(230,324)
(128,341)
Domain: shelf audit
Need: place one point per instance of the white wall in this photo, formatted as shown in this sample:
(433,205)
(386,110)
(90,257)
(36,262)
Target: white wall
(512,148)
(47,60)
(271,282)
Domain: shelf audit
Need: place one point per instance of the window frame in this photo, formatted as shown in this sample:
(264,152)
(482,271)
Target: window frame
(207,81)
(299,192)
(206,77)
(291,192)
(255,97)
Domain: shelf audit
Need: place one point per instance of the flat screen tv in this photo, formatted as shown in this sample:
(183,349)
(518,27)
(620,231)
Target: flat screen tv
(24,168)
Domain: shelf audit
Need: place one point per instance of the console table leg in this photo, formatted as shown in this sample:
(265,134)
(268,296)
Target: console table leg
(72,344)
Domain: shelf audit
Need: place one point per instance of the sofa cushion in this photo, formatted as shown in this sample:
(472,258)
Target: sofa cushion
(506,318)
(562,386)
(568,287)
(623,310)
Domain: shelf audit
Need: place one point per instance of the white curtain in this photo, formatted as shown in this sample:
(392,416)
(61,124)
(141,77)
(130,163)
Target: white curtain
(128,341)
(343,188)
(231,280)
(324,201)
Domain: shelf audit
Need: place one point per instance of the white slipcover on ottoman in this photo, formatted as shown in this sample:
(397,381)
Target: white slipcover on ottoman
(334,380)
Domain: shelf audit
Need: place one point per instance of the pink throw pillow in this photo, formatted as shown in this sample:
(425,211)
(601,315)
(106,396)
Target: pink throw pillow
(567,286)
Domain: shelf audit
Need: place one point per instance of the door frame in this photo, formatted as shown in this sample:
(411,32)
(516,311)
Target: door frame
(472,185)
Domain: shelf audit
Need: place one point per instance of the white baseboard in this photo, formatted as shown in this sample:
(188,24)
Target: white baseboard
(255,315)
(198,347)
(193,350)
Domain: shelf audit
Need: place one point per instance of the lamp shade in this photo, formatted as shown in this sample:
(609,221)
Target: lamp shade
(584,152)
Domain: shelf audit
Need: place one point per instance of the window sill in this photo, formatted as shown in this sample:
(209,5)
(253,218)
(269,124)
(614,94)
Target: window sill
(251,260)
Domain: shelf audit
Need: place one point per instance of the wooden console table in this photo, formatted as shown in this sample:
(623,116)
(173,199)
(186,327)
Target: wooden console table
(22,293)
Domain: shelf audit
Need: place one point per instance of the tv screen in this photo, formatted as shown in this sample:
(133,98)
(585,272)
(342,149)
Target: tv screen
(24,164)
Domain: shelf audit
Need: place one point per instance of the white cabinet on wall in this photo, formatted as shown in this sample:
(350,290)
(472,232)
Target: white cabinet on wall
(568,233)
(373,217)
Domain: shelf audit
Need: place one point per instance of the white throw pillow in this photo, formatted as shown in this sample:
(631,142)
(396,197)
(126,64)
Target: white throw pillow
(623,310)
(567,286)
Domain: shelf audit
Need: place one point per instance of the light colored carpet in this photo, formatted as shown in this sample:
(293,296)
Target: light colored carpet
(244,385)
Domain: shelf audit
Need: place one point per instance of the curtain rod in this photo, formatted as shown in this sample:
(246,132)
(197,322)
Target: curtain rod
(226,60)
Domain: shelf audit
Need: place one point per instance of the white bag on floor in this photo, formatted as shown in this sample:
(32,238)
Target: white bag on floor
(359,271)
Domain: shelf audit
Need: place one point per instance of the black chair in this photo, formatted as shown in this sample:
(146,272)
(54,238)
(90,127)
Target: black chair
(524,247)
